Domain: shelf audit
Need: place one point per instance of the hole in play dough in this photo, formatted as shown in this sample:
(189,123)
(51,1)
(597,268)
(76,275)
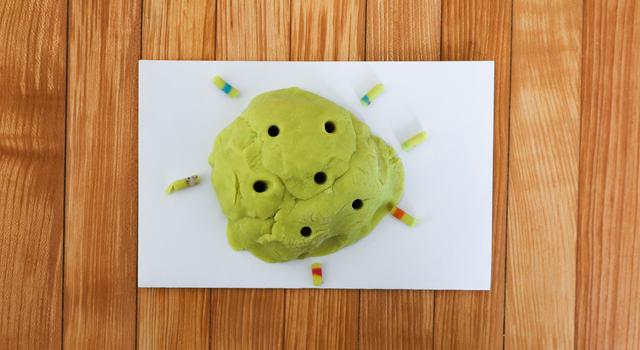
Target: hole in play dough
(329,127)
(273,131)
(320,178)
(259,186)
(357,204)
(305,231)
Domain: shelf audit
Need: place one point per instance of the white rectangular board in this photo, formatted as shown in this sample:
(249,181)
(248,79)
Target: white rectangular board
(182,237)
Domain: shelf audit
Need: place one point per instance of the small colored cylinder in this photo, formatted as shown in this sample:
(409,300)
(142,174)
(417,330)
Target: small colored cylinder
(372,94)
(182,184)
(225,87)
(403,216)
(316,273)
(414,141)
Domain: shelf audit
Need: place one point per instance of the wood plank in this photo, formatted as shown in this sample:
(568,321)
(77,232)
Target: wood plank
(253,30)
(543,174)
(327,30)
(179,30)
(176,318)
(321,319)
(173,319)
(403,30)
(101,215)
(480,30)
(250,30)
(399,30)
(396,320)
(33,46)
(324,30)
(608,288)
(247,319)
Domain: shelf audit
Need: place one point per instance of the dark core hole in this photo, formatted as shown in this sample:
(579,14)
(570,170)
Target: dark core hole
(273,131)
(329,127)
(305,231)
(320,177)
(259,186)
(357,204)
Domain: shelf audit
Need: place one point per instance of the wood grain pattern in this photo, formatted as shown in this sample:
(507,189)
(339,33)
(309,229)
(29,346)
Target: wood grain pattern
(321,319)
(247,319)
(251,30)
(403,30)
(327,30)
(396,320)
(324,319)
(32,117)
(101,173)
(543,174)
(179,30)
(480,30)
(608,289)
(176,318)
(407,30)
(572,203)
(173,319)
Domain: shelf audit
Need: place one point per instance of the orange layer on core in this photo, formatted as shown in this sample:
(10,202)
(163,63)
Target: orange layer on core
(398,213)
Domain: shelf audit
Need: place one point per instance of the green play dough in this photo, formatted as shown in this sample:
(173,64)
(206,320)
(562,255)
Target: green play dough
(268,168)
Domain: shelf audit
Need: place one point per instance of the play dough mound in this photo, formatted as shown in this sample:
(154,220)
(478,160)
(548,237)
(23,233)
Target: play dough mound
(297,176)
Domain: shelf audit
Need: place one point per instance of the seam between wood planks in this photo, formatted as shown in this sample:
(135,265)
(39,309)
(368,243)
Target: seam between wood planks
(64,176)
(506,200)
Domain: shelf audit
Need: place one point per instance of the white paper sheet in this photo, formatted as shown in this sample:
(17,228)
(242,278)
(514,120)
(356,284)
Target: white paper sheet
(181,237)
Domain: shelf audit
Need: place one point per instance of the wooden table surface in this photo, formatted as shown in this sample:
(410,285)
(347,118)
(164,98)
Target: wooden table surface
(566,239)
